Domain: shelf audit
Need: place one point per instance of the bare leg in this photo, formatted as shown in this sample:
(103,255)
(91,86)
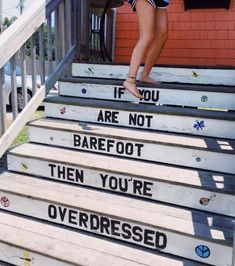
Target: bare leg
(156,45)
(146,19)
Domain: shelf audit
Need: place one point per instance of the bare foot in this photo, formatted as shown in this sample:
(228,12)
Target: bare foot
(150,80)
(131,87)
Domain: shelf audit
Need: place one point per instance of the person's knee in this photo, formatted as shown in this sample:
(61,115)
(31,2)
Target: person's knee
(161,35)
(147,39)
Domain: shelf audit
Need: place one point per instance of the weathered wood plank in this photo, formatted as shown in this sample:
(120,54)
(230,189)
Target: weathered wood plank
(49,43)
(197,189)
(192,96)
(171,119)
(79,250)
(35,102)
(23,75)
(15,255)
(160,227)
(164,74)
(42,54)
(14,102)
(140,145)
(3,124)
(15,36)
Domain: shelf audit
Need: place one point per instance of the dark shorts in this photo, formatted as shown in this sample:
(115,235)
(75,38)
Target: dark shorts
(154,3)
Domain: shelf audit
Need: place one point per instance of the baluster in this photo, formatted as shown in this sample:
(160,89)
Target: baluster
(15,96)
(63,24)
(33,64)
(3,110)
(57,37)
(49,42)
(42,54)
(23,75)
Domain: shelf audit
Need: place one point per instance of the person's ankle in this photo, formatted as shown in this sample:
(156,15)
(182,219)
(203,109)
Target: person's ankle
(144,76)
(131,79)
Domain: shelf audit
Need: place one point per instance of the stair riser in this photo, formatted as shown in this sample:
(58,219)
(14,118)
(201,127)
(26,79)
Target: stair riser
(153,152)
(165,74)
(141,187)
(118,228)
(22,257)
(203,99)
(151,121)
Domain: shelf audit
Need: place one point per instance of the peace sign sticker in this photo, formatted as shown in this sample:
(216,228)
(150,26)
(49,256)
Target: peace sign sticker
(203,251)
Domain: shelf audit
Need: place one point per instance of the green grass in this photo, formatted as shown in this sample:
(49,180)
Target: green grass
(23,137)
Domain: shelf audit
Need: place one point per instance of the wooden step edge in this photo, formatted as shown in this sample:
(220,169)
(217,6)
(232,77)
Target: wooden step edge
(117,166)
(170,86)
(196,75)
(73,248)
(110,131)
(144,108)
(128,209)
(203,194)
(62,212)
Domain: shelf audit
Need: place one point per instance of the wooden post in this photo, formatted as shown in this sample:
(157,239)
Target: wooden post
(77,27)
(85,29)
(109,34)
(233,262)
(2,104)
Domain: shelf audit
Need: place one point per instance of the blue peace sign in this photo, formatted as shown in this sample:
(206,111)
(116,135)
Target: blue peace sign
(203,251)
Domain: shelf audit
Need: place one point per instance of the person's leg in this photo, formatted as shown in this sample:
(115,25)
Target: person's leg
(146,18)
(161,35)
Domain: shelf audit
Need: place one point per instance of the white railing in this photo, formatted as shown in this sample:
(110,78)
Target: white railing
(27,34)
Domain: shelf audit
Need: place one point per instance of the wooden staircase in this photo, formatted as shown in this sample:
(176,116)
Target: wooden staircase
(108,181)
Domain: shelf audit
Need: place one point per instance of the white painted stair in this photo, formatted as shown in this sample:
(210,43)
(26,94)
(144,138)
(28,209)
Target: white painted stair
(108,181)
(29,242)
(151,117)
(197,152)
(203,190)
(203,96)
(168,229)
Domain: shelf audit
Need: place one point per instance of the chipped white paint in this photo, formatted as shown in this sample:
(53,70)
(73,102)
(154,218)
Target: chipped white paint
(182,194)
(22,257)
(153,121)
(114,227)
(164,74)
(135,148)
(160,96)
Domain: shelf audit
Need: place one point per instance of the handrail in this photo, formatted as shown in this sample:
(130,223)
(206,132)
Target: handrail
(12,39)
(28,27)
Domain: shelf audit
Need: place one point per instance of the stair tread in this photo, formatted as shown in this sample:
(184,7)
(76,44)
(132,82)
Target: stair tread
(77,248)
(143,108)
(183,74)
(167,173)
(173,86)
(210,227)
(195,142)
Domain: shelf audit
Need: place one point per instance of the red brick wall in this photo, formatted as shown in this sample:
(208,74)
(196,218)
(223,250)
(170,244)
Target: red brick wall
(196,37)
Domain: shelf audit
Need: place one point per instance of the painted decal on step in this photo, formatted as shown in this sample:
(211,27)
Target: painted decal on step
(134,119)
(63,110)
(148,94)
(199,125)
(116,183)
(70,174)
(202,251)
(84,91)
(112,227)
(5,202)
(108,145)
(205,201)
(24,166)
(26,258)
(204,99)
